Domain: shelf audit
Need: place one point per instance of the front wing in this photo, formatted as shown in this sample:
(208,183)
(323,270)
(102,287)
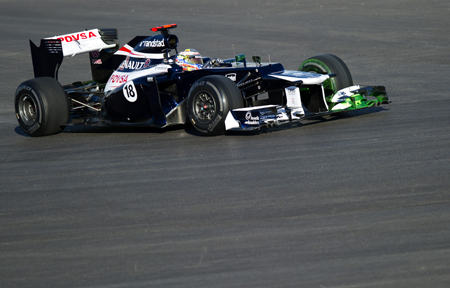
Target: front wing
(351,98)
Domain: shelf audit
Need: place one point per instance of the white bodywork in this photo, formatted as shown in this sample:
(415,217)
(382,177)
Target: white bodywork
(127,50)
(139,68)
(307,78)
(118,78)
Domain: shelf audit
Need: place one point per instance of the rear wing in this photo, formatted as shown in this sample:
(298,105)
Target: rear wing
(100,43)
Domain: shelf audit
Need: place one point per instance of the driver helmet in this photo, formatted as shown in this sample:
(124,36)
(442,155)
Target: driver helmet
(189,59)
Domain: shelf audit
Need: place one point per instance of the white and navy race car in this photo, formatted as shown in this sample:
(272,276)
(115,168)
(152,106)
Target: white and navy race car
(147,82)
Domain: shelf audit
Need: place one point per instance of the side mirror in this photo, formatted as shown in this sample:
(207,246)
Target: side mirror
(240,58)
(257,59)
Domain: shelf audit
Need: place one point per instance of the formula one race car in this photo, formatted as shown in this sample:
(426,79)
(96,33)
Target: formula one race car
(142,84)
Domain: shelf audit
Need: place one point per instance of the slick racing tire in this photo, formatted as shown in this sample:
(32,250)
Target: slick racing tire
(42,106)
(209,101)
(327,64)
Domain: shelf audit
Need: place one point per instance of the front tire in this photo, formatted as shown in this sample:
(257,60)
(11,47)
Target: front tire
(42,106)
(327,64)
(209,101)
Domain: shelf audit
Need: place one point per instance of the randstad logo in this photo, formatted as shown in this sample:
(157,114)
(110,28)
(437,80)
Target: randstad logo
(153,44)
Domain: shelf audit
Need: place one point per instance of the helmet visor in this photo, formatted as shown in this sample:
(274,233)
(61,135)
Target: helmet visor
(195,59)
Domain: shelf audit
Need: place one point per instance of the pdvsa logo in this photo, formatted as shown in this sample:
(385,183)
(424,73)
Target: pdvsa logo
(119,79)
(78,36)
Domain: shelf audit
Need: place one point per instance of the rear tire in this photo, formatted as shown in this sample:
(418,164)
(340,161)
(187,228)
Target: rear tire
(42,106)
(209,101)
(327,64)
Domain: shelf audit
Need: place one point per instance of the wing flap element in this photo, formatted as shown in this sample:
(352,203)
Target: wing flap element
(82,42)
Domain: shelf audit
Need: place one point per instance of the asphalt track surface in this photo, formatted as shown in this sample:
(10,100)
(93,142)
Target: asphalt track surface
(357,200)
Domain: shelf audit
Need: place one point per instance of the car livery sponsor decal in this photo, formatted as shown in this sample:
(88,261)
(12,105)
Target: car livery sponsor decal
(95,60)
(95,54)
(134,64)
(118,79)
(147,63)
(78,36)
(247,118)
(152,44)
(251,119)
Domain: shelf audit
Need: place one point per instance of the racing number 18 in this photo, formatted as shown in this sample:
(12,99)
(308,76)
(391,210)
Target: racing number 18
(129,91)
